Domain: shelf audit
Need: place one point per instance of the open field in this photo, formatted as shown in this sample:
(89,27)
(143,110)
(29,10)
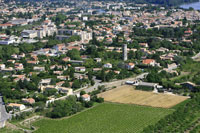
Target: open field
(105,118)
(9,130)
(127,94)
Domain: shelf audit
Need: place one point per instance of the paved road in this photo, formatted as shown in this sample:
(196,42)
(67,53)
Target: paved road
(109,84)
(99,83)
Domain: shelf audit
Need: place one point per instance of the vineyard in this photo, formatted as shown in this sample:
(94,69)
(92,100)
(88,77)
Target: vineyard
(106,118)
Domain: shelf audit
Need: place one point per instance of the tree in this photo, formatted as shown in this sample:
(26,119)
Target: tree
(74,54)
(92,82)
(50,92)
(66,84)
(82,93)
(76,84)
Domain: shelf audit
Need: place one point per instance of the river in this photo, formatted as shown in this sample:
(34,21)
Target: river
(195,5)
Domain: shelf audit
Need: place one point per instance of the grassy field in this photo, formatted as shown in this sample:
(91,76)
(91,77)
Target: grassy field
(127,94)
(105,118)
(8,130)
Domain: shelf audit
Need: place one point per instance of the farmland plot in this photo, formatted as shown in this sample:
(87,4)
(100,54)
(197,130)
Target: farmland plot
(105,118)
(127,94)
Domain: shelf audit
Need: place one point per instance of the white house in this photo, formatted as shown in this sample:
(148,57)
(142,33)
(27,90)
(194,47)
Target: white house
(7,41)
(36,68)
(107,65)
(2,66)
(86,97)
(97,59)
(17,106)
(130,66)
(80,69)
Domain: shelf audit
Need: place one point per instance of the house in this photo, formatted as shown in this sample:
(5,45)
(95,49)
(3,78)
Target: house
(47,87)
(29,100)
(154,86)
(60,83)
(57,67)
(36,68)
(80,69)
(117,72)
(11,61)
(97,59)
(65,90)
(96,69)
(4,115)
(17,106)
(169,56)
(130,66)
(85,97)
(144,45)
(162,49)
(33,62)
(19,66)
(63,77)
(66,59)
(2,66)
(60,47)
(172,66)
(107,65)
(20,77)
(45,81)
(150,62)
(5,26)
(7,41)
(29,34)
(58,72)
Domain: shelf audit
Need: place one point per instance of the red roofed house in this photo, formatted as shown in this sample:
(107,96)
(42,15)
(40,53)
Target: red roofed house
(29,100)
(150,62)
(5,26)
(130,66)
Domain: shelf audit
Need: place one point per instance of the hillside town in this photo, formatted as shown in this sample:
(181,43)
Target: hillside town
(51,51)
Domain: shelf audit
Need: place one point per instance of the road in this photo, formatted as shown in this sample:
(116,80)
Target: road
(108,84)
(99,83)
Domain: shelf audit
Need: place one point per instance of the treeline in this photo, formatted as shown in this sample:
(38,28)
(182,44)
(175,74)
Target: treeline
(185,117)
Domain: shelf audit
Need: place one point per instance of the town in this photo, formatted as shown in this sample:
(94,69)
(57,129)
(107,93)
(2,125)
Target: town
(58,59)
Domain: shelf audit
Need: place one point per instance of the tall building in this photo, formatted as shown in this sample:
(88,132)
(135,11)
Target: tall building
(125,56)
(3,114)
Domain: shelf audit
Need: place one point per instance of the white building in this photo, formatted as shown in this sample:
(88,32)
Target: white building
(2,66)
(17,106)
(107,65)
(29,34)
(86,97)
(80,69)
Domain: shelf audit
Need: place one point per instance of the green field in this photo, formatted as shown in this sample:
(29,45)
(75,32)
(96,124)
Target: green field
(105,118)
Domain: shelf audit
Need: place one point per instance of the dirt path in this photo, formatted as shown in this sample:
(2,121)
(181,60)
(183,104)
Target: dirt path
(12,126)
